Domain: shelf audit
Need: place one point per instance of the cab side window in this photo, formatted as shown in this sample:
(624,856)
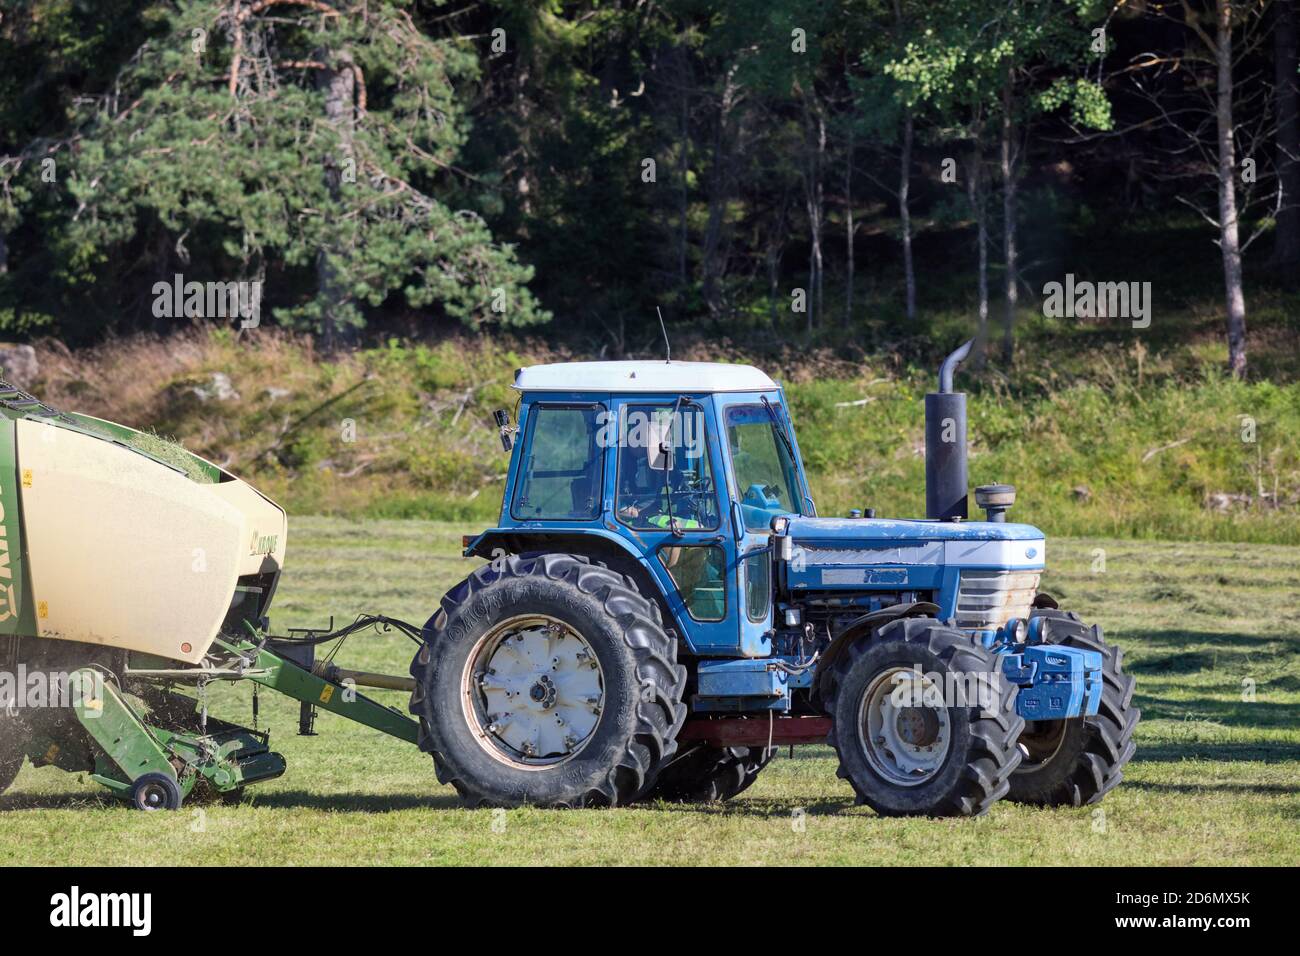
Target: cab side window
(560,476)
(697,572)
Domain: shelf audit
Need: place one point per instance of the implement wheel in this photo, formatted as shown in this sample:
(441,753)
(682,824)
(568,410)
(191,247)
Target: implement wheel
(548,681)
(923,722)
(156,791)
(1076,762)
(710,774)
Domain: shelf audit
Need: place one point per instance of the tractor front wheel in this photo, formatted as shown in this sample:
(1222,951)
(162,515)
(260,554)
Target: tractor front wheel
(1077,762)
(923,724)
(548,681)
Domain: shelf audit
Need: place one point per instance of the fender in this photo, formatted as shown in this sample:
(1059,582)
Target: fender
(865,625)
(614,550)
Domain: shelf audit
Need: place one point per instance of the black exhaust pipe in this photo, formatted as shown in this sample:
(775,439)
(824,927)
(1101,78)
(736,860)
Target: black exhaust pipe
(945,445)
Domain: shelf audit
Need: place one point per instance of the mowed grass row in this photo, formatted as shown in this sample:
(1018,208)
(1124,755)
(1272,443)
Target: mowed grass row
(1216,779)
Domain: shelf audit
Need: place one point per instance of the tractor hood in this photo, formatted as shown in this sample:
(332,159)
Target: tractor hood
(856,553)
(803,528)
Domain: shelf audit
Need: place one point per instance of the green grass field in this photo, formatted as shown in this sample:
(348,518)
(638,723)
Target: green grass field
(1216,779)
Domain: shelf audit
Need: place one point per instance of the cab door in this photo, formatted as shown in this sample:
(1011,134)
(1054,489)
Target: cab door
(671,504)
(764,481)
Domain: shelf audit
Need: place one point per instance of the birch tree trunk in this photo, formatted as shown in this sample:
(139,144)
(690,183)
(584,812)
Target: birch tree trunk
(905,216)
(1009,219)
(821,211)
(713,261)
(1229,242)
(975,193)
(337,81)
(848,233)
(814,201)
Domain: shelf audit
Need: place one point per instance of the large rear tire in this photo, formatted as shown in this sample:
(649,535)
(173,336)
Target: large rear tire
(912,753)
(1076,762)
(709,774)
(548,681)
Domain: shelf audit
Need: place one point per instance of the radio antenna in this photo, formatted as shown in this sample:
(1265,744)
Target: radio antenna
(668,349)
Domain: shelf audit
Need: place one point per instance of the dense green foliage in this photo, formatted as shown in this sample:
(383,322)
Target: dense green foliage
(758,168)
(299,153)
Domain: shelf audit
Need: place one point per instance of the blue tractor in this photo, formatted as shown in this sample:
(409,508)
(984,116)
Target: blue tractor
(661,608)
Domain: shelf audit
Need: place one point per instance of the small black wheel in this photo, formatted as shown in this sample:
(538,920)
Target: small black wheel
(156,791)
(923,722)
(548,681)
(1076,762)
(708,774)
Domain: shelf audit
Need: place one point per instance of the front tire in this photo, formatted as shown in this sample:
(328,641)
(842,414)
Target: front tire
(918,754)
(1075,763)
(547,681)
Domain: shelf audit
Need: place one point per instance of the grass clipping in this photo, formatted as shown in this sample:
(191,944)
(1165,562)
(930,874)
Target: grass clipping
(171,452)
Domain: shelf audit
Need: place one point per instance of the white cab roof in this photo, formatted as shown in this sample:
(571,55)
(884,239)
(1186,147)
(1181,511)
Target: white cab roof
(670,377)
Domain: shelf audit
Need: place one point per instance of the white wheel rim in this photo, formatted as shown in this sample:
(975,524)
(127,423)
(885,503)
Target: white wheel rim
(533,692)
(906,745)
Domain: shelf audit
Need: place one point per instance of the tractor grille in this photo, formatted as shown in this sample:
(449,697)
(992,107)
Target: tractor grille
(988,599)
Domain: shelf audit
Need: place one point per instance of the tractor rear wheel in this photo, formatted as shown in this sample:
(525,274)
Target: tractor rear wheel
(548,681)
(711,774)
(1076,762)
(923,724)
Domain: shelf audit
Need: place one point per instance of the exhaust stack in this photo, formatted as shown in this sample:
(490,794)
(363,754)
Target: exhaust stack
(945,445)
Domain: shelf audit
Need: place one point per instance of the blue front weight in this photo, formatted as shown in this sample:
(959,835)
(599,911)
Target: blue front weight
(1056,682)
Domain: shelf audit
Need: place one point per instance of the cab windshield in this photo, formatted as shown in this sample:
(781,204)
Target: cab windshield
(766,478)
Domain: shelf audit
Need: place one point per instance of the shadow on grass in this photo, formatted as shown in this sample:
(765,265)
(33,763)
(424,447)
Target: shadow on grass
(1231,713)
(757,807)
(1246,788)
(351,802)
(1225,752)
(58,801)
(1182,637)
(285,799)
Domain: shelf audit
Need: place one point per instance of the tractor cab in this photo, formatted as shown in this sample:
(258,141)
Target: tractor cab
(672,472)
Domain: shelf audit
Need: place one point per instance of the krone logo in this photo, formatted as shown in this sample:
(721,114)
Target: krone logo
(263,544)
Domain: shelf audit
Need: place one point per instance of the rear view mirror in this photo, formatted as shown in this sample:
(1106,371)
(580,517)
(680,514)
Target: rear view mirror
(502,418)
(659,444)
